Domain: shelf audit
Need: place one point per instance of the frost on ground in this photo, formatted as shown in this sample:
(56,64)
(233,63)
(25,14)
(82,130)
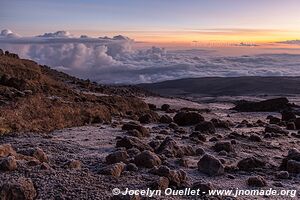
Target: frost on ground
(78,158)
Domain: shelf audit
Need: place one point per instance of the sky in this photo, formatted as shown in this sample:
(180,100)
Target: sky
(138,41)
(158,21)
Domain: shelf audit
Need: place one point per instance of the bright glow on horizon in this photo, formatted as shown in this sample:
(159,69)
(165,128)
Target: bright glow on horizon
(159,22)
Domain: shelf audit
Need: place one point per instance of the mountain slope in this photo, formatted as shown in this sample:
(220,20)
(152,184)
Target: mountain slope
(37,98)
(218,86)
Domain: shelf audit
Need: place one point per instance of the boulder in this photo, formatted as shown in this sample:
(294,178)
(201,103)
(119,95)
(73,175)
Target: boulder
(113,169)
(200,151)
(210,165)
(73,164)
(256,181)
(170,148)
(203,186)
(134,126)
(293,166)
(176,177)
(37,153)
(291,162)
(283,175)
(164,132)
(223,146)
(147,159)
(250,163)
(165,107)
(274,120)
(45,166)
(132,142)
(154,143)
(205,127)
(152,106)
(40,155)
(131,167)
(270,105)
(6,150)
(22,189)
(161,183)
(150,117)
(273,128)
(297,123)
(287,115)
(255,138)
(135,133)
(133,152)
(118,156)
(290,126)
(220,124)
(197,134)
(8,164)
(187,118)
(165,119)
(173,126)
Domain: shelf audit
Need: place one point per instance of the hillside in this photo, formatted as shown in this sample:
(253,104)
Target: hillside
(235,86)
(37,98)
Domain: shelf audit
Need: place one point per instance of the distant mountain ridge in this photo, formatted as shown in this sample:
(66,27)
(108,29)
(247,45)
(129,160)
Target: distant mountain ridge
(223,86)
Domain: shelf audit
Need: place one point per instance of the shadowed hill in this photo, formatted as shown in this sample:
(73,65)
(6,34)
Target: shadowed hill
(37,98)
(235,86)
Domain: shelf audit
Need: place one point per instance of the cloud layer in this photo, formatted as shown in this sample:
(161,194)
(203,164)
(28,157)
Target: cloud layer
(113,60)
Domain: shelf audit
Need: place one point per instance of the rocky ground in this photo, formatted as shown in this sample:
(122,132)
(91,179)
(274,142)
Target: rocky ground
(180,144)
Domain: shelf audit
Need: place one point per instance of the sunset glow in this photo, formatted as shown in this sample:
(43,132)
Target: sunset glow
(156,22)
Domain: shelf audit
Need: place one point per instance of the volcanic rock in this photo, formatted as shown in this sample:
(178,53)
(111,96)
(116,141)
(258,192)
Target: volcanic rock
(165,107)
(161,183)
(170,148)
(287,115)
(290,126)
(250,163)
(147,159)
(113,169)
(37,153)
(187,118)
(205,127)
(223,146)
(8,164)
(283,175)
(220,124)
(6,150)
(131,167)
(73,164)
(132,142)
(272,128)
(115,157)
(134,126)
(23,189)
(210,165)
(165,119)
(256,181)
(176,177)
(270,105)
(297,123)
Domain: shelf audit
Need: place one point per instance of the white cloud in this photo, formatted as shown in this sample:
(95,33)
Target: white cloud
(113,60)
(58,34)
(293,42)
(243,44)
(6,33)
